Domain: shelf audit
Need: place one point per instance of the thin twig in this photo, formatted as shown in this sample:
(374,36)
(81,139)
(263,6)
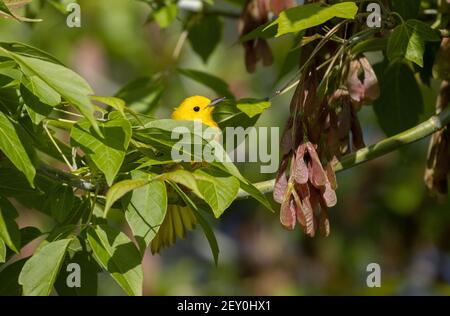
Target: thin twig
(65,177)
(179,45)
(57,147)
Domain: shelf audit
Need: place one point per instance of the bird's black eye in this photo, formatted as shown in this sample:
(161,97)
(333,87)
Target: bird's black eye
(197,108)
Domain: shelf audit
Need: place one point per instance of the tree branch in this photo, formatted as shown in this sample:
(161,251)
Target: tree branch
(65,177)
(384,147)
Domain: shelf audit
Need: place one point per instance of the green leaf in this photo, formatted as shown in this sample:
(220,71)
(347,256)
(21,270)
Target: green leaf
(62,80)
(407,9)
(185,178)
(209,234)
(214,83)
(408,41)
(164,15)
(2,251)
(141,95)
(14,183)
(9,276)
(228,115)
(400,103)
(205,34)
(147,208)
(217,189)
(29,51)
(253,107)
(8,74)
(40,271)
(303,17)
(9,231)
(11,146)
(106,153)
(117,254)
(157,133)
(121,188)
(41,90)
(116,103)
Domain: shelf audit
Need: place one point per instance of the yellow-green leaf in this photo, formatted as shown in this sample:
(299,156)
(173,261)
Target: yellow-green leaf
(121,188)
(117,254)
(302,17)
(40,271)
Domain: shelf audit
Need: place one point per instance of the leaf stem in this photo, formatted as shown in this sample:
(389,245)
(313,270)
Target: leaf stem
(57,147)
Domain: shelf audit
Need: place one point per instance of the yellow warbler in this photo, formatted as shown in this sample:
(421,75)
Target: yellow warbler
(197,108)
(179,217)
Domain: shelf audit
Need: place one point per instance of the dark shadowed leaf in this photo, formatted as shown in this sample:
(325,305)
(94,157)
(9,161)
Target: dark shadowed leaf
(205,34)
(141,95)
(209,233)
(61,202)
(9,231)
(400,103)
(36,109)
(214,83)
(88,276)
(407,9)
(9,279)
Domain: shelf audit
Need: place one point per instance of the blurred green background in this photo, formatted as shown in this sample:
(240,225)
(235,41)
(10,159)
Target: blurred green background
(384,214)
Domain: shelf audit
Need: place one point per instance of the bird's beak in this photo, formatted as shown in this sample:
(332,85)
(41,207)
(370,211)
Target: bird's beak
(215,101)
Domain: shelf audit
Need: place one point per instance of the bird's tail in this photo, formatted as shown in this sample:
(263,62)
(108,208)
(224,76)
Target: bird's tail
(179,219)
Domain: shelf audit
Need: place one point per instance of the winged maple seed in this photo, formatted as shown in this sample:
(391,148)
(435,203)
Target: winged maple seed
(307,193)
(254,14)
(362,83)
(320,129)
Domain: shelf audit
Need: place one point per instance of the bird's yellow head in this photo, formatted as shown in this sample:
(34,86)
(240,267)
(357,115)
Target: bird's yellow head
(196,108)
